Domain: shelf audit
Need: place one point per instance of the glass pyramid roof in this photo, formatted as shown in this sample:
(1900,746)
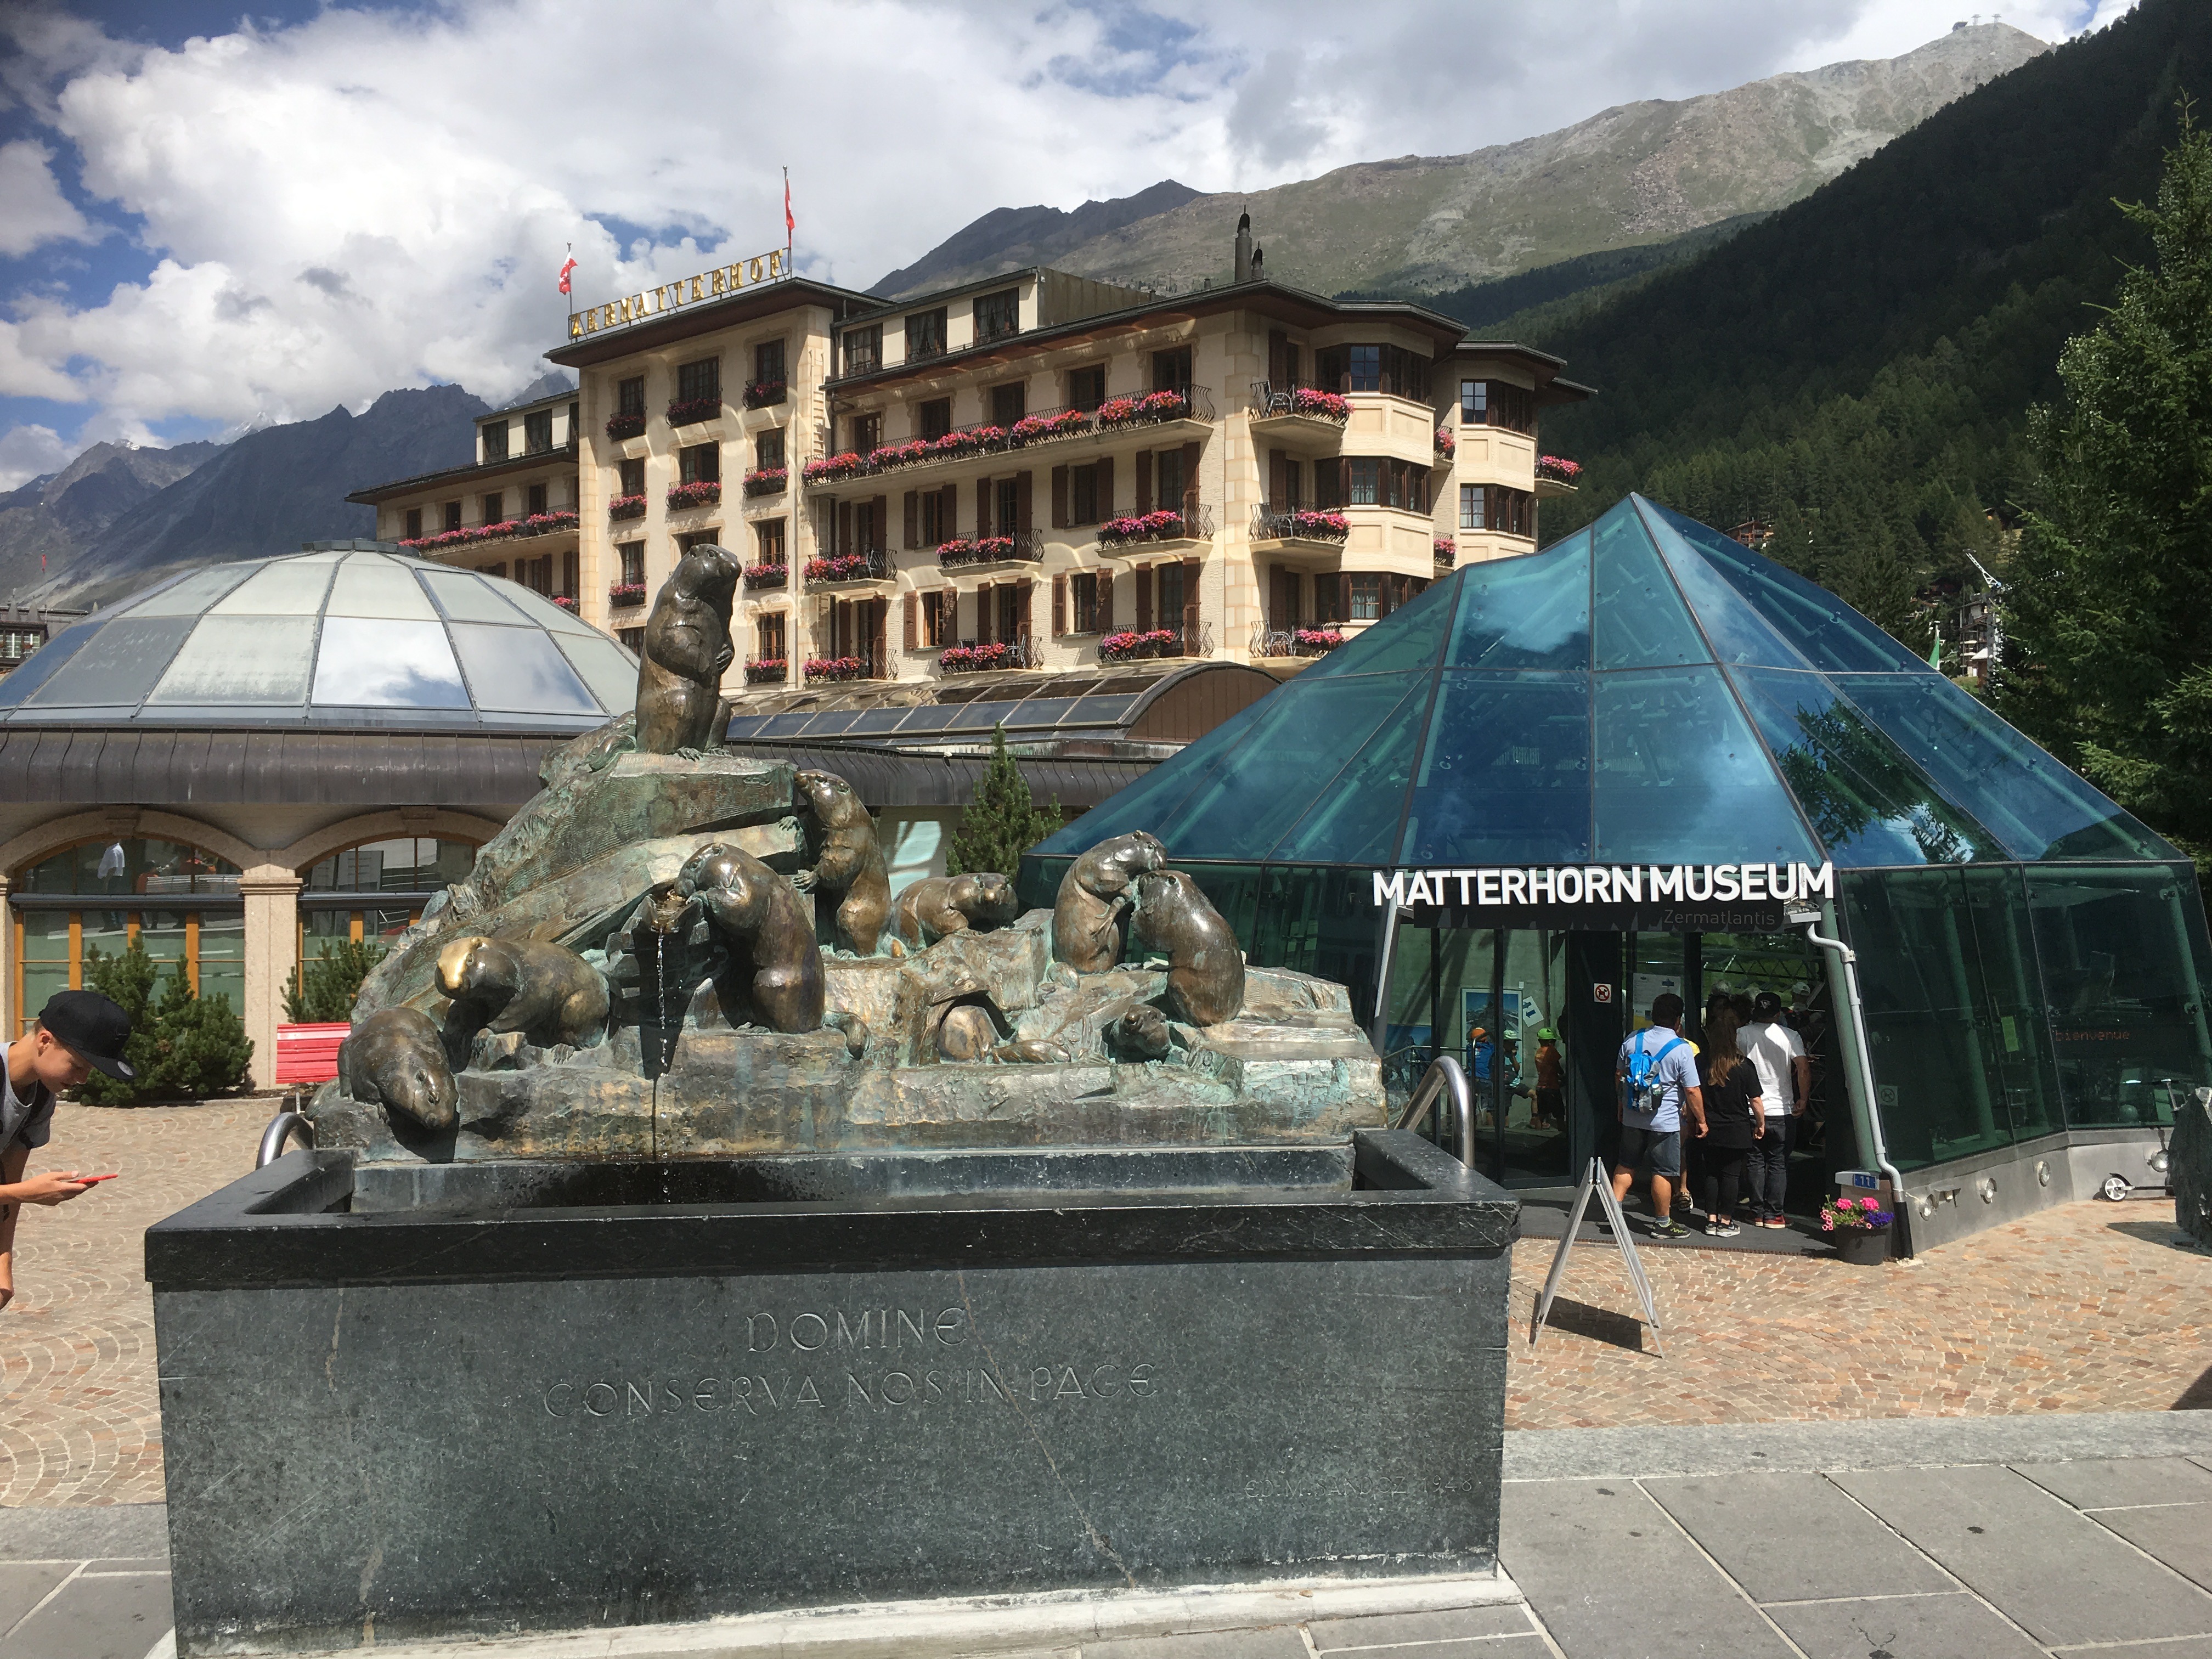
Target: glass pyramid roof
(351,638)
(1646,691)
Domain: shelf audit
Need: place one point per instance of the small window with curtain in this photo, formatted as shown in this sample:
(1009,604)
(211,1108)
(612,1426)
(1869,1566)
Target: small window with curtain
(1171,370)
(538,432)
(700,380)
(934,529)
(633,477)
(414,523)
(767,363)
(495,508)
(629,396)
(453,515)
(864,349)
(1363,364)
(1167,467)
(936,418)
(535,499)
(924,335)
(1366,598)
(632,555)
(867,433)
(768,538)
(1082,495)
(1007,506)
(1364,480)
(1083,603)
(701,463)
(632,637)
(1474,508)
(1009,403)
(937,618)
(768,450)
(998,315)
(1474,403)
(495,439)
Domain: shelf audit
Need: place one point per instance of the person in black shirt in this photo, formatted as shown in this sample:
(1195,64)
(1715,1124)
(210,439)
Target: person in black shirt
(1735,1116)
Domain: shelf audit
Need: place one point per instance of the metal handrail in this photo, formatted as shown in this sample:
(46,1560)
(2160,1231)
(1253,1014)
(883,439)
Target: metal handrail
(1443,1078)
(282,1127)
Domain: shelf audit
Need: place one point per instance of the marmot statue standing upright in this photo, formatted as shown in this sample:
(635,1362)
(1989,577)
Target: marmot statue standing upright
(680,709)
(1096,893)
(850,865)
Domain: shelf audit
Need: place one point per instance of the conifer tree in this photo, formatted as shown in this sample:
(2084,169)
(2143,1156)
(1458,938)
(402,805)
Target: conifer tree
(204,1046)
(2109,612)
(127,978)
(1000,821)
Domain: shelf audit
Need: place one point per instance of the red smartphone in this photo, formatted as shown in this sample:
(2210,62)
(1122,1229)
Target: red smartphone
(94,1181)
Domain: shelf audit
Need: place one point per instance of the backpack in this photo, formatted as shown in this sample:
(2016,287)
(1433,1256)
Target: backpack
(1646,1092)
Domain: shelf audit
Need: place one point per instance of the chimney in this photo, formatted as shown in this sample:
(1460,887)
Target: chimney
(1243,247)
(1258,274)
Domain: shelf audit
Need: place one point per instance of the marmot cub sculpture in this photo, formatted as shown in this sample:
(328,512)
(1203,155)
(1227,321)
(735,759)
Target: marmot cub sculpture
(1094,895)
(850,866)
(1206,967)
(546,992)
(680,709)
(935,906)
(775,966)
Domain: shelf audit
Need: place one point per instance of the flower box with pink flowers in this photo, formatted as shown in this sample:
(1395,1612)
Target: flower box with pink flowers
(626,593)
(620,427)
(834,468)
(834,668)
(768,575)
(1133,643)
(1043,428)
(767,481)
(685,496)
(690,411)
(1160,526)
(976,658)
(1447,444)
(1320,405)
(626,507)
(1557,469)
(767,670)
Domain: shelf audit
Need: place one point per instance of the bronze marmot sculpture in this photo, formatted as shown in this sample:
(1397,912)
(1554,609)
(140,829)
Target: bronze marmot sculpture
(547,992)
(776,974)
(1206,968)
(396,1058)
(687,650)
(1095,894)
(935,906)
(850,866)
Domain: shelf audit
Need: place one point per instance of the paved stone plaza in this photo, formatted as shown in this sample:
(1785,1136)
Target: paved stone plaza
(2005,1530)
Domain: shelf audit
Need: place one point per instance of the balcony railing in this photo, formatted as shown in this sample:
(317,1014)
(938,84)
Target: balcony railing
(1194,523)
(970,656)
(1022,547)
(1270,524)
(767,481)
(768,671)
(861,667)
(1040,427)
(1271,399)
(1294,641)
(537,523)
(872,565)
(760,394)
(768,575)
(1139,643)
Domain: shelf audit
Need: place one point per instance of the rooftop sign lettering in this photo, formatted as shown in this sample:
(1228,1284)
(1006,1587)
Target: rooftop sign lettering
(688,290)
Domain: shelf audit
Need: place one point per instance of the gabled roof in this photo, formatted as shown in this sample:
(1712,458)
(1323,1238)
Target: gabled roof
(1643,691)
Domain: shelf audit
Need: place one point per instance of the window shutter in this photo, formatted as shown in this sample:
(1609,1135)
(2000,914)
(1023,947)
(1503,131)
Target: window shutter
(913,519)
(1060,498)
(950,496)
(1190,593)
(1105,487)
(844,527)
(882,517)
(1278,344)
(984,614)
(1144,481)
(1022,502)
(1190,478)
(1144,599)
(1278,478)
(983,508)
(1024,594)
(1105,598)
(1058,606)
(912,621)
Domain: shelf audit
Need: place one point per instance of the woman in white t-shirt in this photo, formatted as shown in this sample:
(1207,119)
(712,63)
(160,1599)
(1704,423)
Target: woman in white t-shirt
(1786,1077)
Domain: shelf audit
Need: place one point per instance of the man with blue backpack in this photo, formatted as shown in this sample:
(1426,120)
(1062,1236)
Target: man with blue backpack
(1657,1076)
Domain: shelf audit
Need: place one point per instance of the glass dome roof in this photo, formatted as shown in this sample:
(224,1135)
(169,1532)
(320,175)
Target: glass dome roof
(1646,691)
(359,638)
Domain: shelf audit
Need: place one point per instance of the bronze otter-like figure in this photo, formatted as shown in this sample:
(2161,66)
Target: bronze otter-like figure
(1094,895)
(936,906)
(546,992)
(850,866)
(775,968)
(1206,967)
(396,1058)
(687,651)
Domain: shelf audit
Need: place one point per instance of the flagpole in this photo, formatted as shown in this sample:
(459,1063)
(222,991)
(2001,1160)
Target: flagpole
(787,225)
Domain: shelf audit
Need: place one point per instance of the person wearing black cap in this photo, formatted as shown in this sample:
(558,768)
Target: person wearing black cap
(77,1031)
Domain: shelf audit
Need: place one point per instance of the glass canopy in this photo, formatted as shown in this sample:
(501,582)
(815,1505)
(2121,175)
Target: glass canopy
(1644,692)
(359,638)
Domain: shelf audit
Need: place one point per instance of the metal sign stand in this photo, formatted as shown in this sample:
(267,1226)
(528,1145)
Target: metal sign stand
(1596,1183)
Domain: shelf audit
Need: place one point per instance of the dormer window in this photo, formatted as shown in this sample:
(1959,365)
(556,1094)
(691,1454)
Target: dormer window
(998,315)
(864,349)
(538,432)
(924,335)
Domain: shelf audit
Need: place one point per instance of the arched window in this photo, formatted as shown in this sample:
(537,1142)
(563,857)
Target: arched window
(374,890)
(180,900)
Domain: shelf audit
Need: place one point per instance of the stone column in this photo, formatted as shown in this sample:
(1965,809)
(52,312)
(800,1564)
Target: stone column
(272,893)
(9,967)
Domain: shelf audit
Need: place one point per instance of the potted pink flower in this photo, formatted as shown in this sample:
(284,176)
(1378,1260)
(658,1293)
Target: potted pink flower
(1559,469)
(1447,445)
(1858,1228)
(768,670)
(766,480)
(1322,405)
(831,469)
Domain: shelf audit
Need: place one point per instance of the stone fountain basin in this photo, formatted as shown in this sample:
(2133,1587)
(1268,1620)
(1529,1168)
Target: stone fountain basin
(426,1401)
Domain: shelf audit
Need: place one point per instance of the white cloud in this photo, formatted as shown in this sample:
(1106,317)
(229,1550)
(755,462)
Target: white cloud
(26,452)
(371,200)
(33,209)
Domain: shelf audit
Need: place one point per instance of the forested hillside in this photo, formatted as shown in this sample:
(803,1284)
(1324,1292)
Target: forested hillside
(1857,368)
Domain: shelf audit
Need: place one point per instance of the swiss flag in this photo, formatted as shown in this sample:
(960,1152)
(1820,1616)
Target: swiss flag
(565,270)
(790,224)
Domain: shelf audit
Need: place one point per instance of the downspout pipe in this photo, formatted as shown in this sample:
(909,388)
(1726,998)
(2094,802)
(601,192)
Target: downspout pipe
(1383,959)
(1869,1113)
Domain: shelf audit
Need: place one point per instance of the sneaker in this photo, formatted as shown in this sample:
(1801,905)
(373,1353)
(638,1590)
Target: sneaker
(1774,1221)
(1669,1228)
(1726,1230)
(1712,1228)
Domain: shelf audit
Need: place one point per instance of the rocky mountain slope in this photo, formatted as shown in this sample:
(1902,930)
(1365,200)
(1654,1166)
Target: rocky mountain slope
(1641,173)
(55,518)
(267,493)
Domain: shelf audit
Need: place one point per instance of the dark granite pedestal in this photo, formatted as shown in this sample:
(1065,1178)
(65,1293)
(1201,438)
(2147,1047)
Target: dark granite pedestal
(474,1398)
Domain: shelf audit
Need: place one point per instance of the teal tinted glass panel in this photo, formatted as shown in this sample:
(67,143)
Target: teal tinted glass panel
(2014,1034)
(1412,636)
(1828,633)
(1681,778)
(1147,802)
(1504,777)
(1355,820)
(2033,803)
(1922,989)
(1738,634)
(1641,621)
(1290,759)
(1868,805)
(2124,960)
(1528,612)
(117,667)
(1322,922)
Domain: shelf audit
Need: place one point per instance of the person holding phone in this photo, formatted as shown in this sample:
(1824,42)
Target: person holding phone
(77,1031)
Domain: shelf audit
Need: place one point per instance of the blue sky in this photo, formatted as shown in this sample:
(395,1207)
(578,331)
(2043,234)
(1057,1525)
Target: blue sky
(212,217)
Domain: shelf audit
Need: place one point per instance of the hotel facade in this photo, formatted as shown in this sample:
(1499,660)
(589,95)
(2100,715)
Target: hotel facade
(1034,473)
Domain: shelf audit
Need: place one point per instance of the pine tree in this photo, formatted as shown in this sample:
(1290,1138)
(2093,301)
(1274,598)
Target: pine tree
(331,986)
(204,1048)
(2109,659)
(1000,821)
(127,978)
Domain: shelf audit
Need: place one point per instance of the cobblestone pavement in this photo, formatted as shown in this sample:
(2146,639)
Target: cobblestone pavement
(80,1421)
(2090,1308)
